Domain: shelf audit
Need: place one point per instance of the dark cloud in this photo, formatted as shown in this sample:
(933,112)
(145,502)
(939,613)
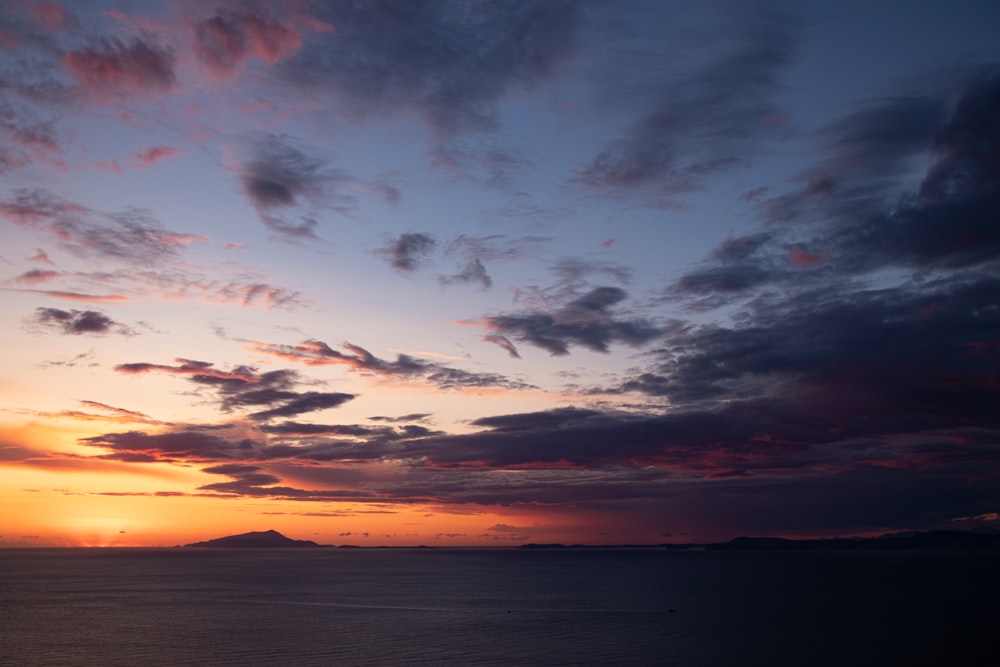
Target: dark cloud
(704,122)
(533,420)
(307,402)
(247,480)
(415,417)
(244,386)
(502,342)
(585,321)
(284,179)
(77,322)
(450,60)
(185,445)
(864,209)
(405,367)
(408,251)
(299,429)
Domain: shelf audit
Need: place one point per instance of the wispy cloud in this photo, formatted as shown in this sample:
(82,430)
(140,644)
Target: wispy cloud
(110,71)
(284,178)
(404,367)
(407,251)
(449,64)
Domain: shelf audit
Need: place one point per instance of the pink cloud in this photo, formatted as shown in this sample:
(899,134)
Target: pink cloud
(114,69)
(79,296)
(608,243)
(40,256)
(225,43)
(151,156)
(36,276)
(109,165)
(9,40)
(52,17)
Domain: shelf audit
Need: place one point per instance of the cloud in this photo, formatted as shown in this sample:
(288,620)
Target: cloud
(282,176)
(105,413)
(474,272)
(585,321)
(53,17)
(112,70)
(474,250)
(414,417)
(698,124)
(405,367)
(190,444)
(137,239)
(244,386)
(226,42)
(131,235)
(36,276)
(450,62)
(865,209)
(307,402)
(77,322)
(151,156)
(408,251)
(502,342)
(81,297)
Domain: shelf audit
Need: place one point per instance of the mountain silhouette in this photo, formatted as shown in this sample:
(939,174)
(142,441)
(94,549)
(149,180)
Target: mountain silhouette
(268,539)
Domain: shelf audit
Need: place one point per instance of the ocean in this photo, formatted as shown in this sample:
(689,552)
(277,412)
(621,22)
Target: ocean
(496,607)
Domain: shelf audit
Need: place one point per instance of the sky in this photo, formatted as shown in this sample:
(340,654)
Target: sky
(454,272)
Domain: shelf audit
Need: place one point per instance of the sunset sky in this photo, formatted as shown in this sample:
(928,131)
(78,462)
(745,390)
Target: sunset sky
(484,273)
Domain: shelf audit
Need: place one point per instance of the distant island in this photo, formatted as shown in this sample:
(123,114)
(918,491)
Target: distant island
(267,539)
(933,539)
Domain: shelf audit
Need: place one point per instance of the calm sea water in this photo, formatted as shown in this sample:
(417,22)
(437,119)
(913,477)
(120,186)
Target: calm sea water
(496,607)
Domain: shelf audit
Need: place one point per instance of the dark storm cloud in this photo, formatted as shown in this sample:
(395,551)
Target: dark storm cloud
(405,367)
(77,322)
(586,321)
(701,123)
(408,251)
(450,60)
(283,179)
